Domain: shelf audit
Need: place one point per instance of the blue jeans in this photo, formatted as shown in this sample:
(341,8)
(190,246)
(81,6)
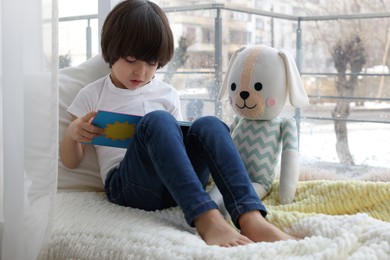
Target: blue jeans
(164,167)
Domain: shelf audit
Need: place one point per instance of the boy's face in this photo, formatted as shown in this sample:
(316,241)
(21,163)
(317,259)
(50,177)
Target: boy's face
(129,73)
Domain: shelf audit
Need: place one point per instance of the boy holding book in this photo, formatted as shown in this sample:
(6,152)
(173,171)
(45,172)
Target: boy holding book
(162,168)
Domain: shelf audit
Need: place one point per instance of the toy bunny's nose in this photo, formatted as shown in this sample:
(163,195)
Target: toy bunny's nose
(244,94)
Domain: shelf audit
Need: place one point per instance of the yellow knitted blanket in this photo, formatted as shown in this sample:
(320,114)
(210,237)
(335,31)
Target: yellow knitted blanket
(330,198)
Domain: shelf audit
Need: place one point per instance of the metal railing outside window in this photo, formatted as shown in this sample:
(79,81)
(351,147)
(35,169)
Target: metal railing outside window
(221,51)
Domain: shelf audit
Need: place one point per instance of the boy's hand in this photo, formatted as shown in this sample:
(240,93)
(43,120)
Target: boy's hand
(81,129)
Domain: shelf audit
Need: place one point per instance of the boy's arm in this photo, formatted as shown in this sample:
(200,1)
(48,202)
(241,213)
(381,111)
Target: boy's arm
(79,130)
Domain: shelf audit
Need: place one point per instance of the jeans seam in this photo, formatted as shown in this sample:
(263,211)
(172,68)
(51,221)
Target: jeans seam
(218,171)
(199,206)
(243,205)
(197,211)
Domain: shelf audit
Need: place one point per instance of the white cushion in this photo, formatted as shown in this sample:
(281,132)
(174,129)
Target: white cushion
(86,177)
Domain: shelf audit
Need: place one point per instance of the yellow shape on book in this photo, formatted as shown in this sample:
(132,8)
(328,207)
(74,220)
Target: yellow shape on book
(121,131)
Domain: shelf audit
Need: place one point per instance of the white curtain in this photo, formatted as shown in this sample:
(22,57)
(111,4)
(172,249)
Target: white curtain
(28,125)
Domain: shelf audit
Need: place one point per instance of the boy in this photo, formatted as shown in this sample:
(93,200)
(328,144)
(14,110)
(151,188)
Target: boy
(162,168)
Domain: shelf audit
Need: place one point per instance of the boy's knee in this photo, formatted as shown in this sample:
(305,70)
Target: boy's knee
(206,120)
(158,119)
(209,121)
(159,115)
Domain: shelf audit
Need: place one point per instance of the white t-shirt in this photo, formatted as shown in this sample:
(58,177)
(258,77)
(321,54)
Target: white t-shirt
(103,95)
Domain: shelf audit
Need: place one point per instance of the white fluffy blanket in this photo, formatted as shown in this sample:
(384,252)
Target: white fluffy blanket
(87,226)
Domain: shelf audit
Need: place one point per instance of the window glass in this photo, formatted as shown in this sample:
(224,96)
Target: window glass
(78,31)
(342,50)
(67,7)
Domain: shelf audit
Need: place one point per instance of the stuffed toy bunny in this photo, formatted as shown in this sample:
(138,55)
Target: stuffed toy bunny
(258,81)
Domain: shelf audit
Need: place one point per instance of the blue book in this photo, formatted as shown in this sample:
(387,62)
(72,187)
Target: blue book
(119,128)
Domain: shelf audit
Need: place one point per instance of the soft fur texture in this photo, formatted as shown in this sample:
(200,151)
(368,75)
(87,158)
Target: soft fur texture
(257,83)
(338,220)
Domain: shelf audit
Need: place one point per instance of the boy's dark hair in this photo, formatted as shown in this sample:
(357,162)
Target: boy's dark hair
(137,28)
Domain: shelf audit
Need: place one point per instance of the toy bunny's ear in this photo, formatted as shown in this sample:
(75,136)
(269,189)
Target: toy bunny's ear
(224,88)
(296,90)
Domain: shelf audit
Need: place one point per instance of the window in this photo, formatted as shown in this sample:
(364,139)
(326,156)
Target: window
(259,24)
(238,37)
(207,35)
(368,104)
(191,34)
(240,16)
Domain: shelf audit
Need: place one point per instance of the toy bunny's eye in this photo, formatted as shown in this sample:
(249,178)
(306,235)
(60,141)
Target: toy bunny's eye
(233,86)
(258,86)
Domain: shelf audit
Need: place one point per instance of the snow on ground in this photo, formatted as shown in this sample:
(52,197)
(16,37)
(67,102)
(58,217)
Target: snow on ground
(369,143)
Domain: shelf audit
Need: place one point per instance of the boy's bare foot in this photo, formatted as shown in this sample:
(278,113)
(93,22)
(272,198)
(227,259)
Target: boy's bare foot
(257,228)
(214,230)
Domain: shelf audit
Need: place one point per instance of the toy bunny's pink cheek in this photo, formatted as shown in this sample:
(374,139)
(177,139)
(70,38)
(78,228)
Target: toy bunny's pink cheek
(271,102)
